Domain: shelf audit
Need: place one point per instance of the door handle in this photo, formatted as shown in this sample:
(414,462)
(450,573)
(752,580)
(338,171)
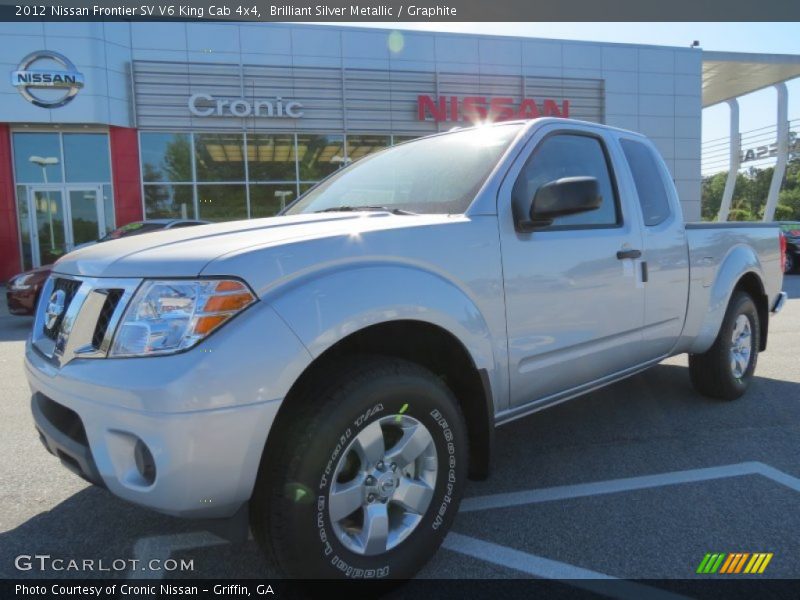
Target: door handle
(623,254)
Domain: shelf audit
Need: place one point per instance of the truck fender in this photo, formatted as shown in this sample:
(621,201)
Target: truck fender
(740,260)
(324,308)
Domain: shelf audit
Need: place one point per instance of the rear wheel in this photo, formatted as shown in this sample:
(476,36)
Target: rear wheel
(366,476)
(790,263)
(726,369)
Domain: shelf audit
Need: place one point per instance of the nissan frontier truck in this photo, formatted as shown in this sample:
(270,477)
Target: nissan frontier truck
(334,374)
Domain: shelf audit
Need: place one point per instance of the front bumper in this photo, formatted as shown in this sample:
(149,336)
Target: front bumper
(205,462)
(202,416)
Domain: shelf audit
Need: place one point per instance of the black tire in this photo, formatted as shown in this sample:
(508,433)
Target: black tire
(711,372)
(288,511)
(790,264)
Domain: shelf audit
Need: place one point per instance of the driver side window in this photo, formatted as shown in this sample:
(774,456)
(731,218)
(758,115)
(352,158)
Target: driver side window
(568,155)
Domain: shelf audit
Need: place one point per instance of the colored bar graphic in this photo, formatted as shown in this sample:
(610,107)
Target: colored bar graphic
(728,563)
(734,563)
(755,562)
(703,563)
(741,562)
(717,563)
(765,563)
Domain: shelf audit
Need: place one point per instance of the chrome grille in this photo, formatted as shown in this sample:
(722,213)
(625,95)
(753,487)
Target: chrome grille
(106,315)
(70,288)
(92,307)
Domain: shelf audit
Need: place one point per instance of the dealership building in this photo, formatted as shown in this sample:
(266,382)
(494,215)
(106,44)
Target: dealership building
(102,124)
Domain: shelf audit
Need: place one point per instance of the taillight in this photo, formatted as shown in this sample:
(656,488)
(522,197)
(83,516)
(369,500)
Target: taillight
(783,249)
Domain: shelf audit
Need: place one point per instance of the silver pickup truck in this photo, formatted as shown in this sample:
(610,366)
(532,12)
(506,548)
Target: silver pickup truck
(332,376)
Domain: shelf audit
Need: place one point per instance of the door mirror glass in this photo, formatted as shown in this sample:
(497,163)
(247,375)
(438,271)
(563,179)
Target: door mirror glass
(562,197)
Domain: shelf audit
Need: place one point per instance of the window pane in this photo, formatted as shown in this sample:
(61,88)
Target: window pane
(108,206)
(649,182)
(219,156)
(359,146)
(268,200)
(271,157)
(166,157)
(168,202)
(319,155)
(24,227)
(37,158)
(86,157)
(221,202)
(568,156)
(48,206)
(83,214)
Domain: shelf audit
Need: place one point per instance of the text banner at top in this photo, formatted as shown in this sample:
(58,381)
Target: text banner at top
(402,10)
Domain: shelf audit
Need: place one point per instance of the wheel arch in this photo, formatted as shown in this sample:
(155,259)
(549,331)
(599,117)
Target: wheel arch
(751,284)
(427,345)
(740,270)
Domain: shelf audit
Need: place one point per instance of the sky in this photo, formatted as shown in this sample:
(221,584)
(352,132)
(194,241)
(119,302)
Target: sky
(755,110)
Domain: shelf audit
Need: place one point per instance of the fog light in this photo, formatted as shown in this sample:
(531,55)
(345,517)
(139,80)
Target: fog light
(144,462)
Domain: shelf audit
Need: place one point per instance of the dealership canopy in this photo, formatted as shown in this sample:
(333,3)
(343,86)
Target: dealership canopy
(729,75)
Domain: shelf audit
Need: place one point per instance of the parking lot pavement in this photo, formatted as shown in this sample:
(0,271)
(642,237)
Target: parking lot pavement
(639,480)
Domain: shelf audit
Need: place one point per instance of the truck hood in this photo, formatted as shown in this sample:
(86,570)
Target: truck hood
(186,252)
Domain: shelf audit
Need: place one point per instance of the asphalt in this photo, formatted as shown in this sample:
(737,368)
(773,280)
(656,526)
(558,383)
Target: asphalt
(698,476)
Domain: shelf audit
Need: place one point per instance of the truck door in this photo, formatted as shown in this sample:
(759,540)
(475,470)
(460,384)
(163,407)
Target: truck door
(665,252)
(574,303)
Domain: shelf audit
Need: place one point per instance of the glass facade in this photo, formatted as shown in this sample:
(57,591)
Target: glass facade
(64,192)
(227,176)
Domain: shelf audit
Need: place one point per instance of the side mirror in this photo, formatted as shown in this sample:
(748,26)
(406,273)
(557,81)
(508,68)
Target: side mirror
(566,196)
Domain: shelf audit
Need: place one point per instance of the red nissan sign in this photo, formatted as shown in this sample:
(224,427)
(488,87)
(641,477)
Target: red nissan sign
(479,108)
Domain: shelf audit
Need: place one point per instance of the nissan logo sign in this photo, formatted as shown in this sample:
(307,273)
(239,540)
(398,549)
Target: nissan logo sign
(66,79)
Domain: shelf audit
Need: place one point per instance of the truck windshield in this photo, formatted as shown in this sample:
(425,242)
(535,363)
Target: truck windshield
(434,175)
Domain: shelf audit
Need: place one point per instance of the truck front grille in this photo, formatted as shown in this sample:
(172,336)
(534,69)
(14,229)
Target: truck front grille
(106,314)
(70,288)
(88,312)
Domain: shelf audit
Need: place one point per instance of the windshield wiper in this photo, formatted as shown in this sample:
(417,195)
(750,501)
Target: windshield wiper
(394,211)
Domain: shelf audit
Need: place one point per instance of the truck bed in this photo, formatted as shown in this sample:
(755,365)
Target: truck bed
(719,254)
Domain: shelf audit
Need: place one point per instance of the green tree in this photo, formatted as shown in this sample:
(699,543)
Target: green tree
(713,187)
(750,194)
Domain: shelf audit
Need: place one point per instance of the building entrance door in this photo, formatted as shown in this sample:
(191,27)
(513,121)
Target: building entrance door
(63,217)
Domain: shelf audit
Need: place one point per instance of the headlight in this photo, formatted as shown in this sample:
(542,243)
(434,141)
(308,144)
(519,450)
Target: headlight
(21,282)
(169,316)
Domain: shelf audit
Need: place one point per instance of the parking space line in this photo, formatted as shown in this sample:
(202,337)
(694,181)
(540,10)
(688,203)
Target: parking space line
(779,476)
(546,568)
(613,486)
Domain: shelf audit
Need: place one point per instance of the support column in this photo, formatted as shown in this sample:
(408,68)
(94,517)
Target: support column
(783,152)
(125,173)
(733,162)
(10,263)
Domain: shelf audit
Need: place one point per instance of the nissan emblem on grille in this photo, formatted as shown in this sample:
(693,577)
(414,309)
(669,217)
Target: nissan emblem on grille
(55,306)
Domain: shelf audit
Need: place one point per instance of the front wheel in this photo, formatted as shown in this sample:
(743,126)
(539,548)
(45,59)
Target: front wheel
(726,369)
(367,475)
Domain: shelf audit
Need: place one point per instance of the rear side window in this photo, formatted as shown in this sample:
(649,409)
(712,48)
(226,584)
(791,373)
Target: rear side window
(566,155)
(649,182)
